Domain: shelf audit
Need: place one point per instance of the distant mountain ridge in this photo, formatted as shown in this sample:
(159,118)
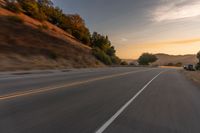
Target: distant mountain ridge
(164,59)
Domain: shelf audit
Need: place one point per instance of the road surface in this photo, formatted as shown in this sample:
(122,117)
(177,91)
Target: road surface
(107,100)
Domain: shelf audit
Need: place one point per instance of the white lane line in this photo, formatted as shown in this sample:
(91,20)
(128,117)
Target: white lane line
(42,90)
(107,123)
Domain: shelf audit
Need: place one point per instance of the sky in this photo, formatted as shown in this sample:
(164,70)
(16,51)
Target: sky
(138,26)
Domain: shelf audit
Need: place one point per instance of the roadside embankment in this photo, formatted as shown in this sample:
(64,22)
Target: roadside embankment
(27,44)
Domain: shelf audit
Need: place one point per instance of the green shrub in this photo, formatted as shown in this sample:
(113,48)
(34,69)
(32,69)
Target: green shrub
(52,55)
(85,40)
(124,63)
(115,60)
(15,19)
(43,27)
(198,66)
(77,34)
(170,64)
(103,48)
(146,59)
(179,64)
(102,56)
(198,56)
(111,51)
(31,8)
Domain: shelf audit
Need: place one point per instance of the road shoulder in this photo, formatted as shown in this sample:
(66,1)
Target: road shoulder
(194,76)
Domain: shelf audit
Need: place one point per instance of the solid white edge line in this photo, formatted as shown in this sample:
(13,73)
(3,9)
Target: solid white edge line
(107,123)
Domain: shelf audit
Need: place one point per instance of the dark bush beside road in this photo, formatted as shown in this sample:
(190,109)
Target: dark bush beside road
(15,19)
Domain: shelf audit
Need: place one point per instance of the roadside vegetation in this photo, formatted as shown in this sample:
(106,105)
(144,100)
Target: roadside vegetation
(15,19)
(198,64)
(124,63)
(44,10)
(194,75)
(179,64)
(146,59)
(103,49)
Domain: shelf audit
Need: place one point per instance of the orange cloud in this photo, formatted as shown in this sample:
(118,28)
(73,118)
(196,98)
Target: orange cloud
(186,41)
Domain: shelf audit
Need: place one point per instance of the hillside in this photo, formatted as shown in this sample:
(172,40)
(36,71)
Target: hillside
(164,59)
(26,43)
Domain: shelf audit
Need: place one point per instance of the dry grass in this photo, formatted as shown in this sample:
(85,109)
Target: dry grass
(192,75)
(164,59)
(25,46)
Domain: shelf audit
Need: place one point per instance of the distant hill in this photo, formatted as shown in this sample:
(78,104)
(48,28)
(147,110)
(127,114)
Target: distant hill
(26,43)
(164,59)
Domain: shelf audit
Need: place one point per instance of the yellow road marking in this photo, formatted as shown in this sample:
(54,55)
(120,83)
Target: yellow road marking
(35,91)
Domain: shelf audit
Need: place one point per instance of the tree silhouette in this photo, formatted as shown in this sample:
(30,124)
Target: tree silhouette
(198,64)
(146,59)
(198,56)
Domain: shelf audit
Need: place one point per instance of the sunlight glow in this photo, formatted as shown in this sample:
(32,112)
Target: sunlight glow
(174,47)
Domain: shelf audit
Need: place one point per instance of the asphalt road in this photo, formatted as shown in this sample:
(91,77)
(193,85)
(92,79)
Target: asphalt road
(110,100)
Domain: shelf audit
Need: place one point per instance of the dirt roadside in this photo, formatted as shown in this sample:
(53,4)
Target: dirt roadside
(192,75)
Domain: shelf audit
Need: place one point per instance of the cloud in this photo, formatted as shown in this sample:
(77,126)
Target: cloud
(124,39)
(176,9)
(188,41)
(181,42)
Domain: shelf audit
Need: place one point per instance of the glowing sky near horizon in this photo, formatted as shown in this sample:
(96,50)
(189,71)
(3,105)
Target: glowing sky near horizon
(137,26)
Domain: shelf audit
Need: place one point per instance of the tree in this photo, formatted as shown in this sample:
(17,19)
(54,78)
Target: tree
(102,56)
(44,6)
(78,28)
(198,56)
(102,48)
(45,3)
(32,9)
(71,23)
(13,6)
(100,41)
(111,51)
(55,16)
(77,21)
(198,64)
(146,59)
